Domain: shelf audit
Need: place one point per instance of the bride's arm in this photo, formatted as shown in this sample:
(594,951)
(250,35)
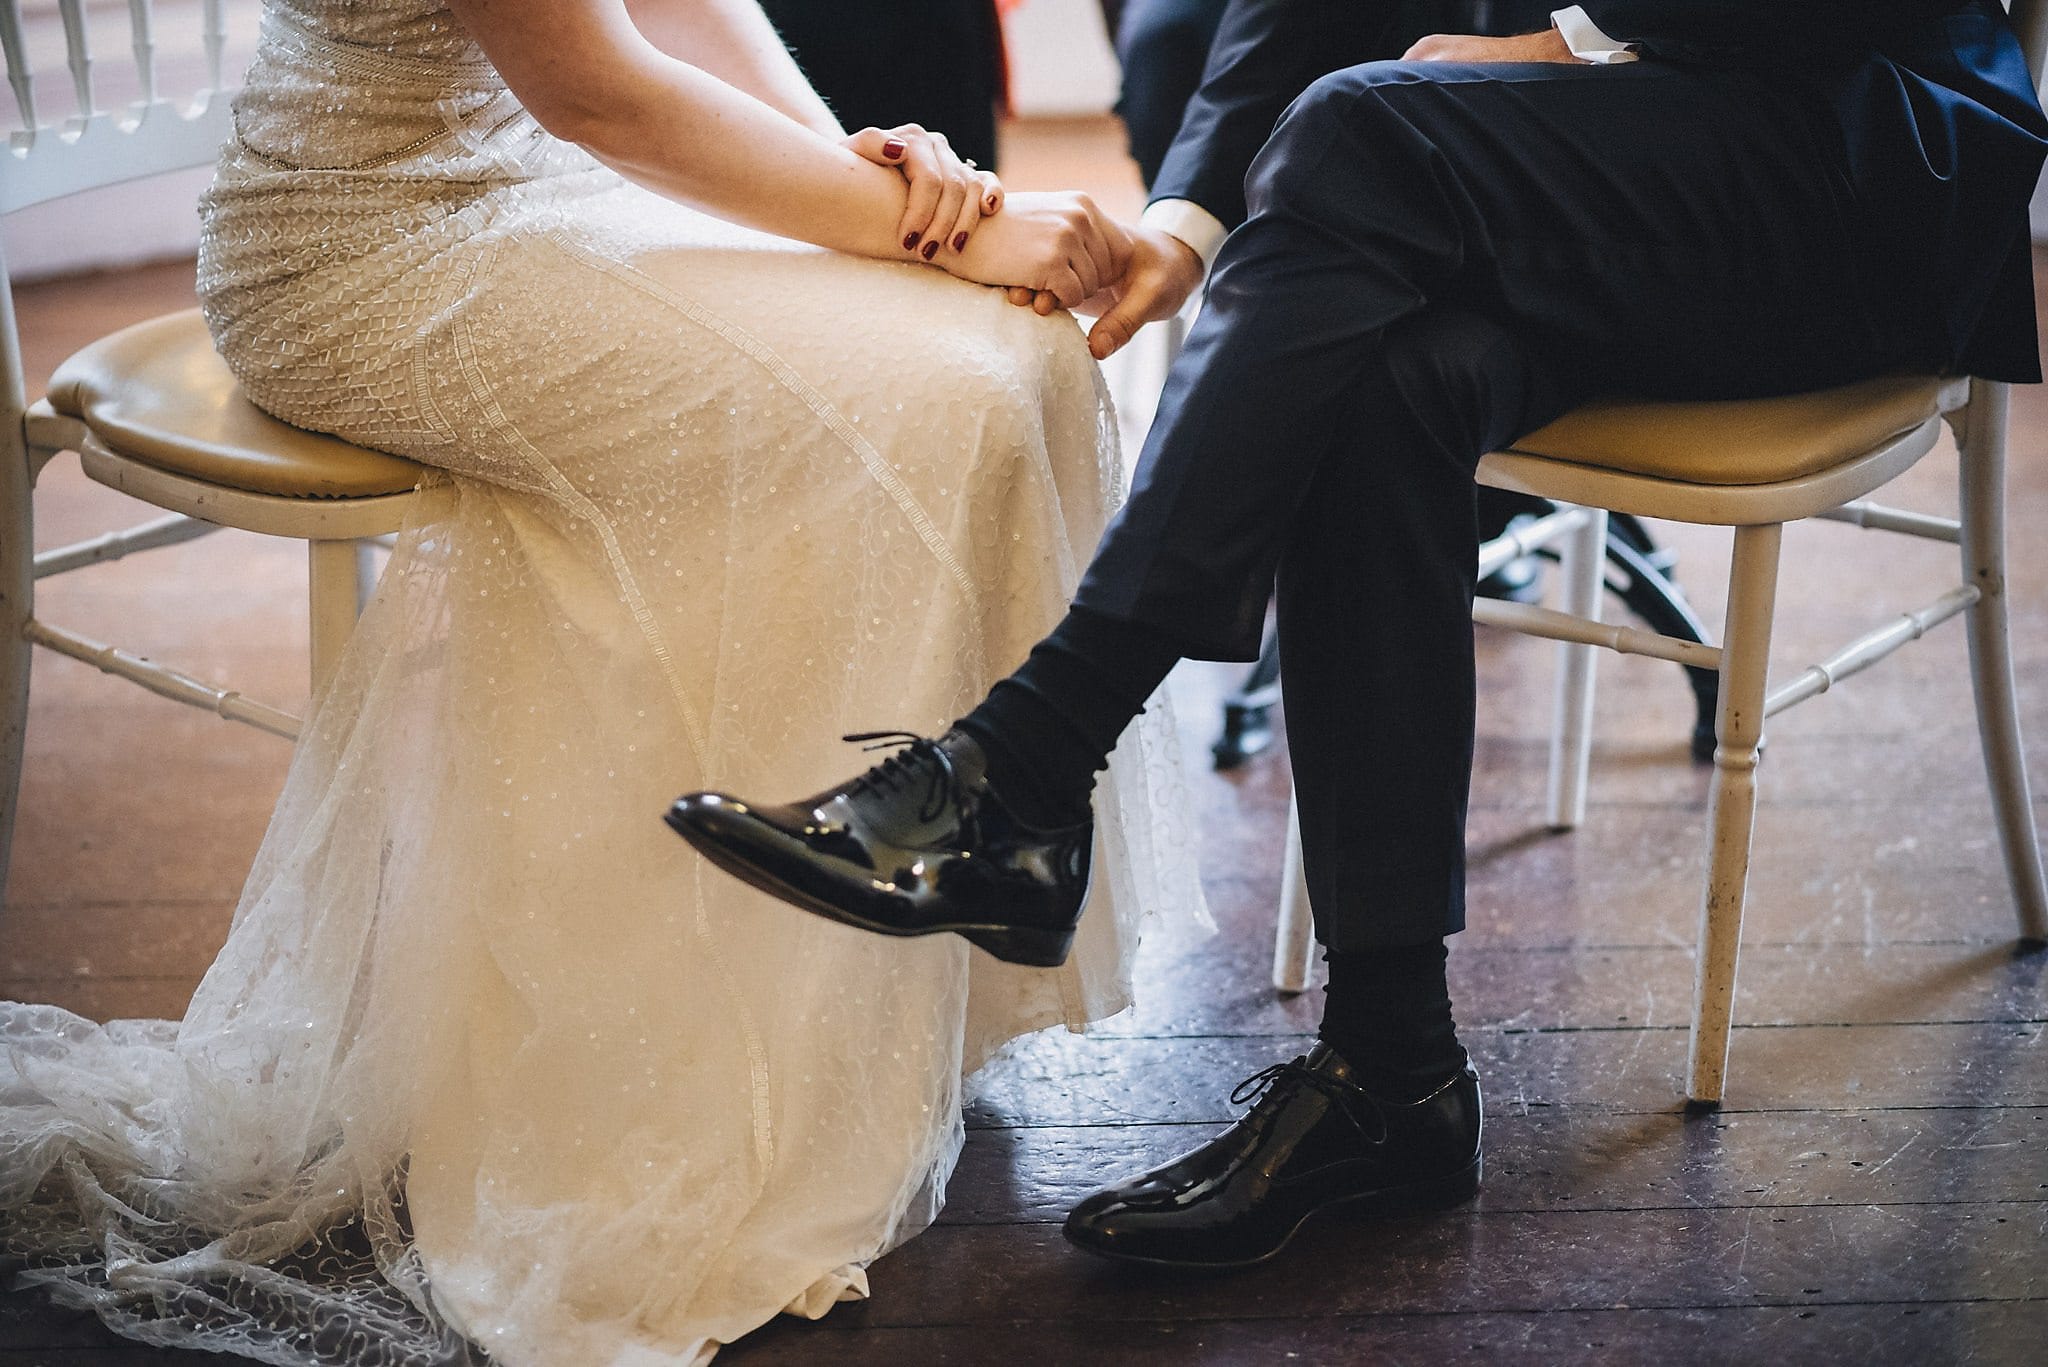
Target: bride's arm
(733,40)
(587,73)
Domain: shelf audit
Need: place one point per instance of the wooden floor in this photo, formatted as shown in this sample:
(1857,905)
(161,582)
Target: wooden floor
(1875,1190)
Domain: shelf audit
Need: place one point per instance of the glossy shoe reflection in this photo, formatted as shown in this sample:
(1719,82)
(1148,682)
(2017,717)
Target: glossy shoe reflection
(1314,1140)
(917,845)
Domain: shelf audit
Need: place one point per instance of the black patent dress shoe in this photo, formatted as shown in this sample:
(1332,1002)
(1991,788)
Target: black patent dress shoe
(1314,1140)
(917,845)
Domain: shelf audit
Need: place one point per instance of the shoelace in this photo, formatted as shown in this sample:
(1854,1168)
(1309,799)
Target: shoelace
(1254,1090)
(919,758)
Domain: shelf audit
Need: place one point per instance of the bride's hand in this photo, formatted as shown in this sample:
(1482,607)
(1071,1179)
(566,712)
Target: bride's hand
(949,195)
(1057,243)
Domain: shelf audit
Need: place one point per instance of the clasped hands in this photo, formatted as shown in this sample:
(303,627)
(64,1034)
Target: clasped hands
(958,217)
(1059,250)
(1050,250)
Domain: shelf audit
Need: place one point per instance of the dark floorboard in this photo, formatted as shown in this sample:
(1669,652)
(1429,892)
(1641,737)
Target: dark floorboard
(1976,1332)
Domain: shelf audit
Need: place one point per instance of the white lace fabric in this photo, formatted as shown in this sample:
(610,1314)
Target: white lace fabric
(490,1062)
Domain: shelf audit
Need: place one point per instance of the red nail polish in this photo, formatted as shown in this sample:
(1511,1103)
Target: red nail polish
(910,243)
(893,149)
(960,242)
(931,249)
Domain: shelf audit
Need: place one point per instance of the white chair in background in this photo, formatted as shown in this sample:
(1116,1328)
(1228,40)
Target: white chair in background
(151,410)
(1753,467)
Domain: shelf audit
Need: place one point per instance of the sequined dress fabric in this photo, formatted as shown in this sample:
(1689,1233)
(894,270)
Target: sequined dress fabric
(490,1063)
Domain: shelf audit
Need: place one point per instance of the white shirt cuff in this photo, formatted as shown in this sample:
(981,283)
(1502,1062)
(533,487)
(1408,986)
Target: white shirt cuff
(1585,39)
(1189,222)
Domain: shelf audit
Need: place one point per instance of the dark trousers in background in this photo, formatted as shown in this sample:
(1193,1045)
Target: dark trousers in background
(886,62)
(1437,259)
(1161,45)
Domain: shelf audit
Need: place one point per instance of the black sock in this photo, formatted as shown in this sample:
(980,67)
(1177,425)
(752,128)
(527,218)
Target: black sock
(1388,1012)
(1048,728)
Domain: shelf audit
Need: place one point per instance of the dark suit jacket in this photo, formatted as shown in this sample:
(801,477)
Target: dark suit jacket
(1941,128)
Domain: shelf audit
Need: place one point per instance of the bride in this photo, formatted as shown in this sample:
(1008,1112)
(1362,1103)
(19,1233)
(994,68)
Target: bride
(489,1061)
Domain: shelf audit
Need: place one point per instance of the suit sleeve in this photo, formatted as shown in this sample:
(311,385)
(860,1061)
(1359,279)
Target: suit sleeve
(1736,32)
(1265,54)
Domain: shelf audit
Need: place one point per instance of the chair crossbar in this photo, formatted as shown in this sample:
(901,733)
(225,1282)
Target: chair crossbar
(304,519)
(132,145)
(1516,542)
(1867,649)
(172,530)
(1878,518)
(163,681)
(1552,625)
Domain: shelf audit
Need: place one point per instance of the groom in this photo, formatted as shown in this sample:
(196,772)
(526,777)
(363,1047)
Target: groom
(1668,198)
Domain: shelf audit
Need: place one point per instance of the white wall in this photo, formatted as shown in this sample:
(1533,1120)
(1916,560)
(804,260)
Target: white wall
(1060,59)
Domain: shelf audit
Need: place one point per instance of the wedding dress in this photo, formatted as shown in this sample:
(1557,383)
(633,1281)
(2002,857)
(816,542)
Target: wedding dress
(490,1060)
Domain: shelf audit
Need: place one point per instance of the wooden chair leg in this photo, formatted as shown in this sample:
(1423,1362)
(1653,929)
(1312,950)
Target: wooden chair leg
(17,606)
(1571,734)
(1982,443)
(1294,946)
(331,584)
(1731,816)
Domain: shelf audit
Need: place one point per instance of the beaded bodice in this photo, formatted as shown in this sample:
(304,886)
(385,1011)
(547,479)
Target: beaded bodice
(374,147)
(360,85)
(420,29)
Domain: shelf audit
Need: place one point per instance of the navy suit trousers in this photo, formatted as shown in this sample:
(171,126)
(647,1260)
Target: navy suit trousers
(1437,259)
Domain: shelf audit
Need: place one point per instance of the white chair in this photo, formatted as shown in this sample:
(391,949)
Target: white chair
(1753,467)
(152,411)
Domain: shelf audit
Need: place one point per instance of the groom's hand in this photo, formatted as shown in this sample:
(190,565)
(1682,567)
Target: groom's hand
(1545,46)
(1163,272)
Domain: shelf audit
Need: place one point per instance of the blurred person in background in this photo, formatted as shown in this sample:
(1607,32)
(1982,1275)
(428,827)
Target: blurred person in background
(885,63)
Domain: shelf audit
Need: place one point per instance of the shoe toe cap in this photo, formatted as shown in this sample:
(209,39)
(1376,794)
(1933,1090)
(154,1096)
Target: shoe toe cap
(1118,1229)
(1093,1209)
(1097,1224)
(1122,1218)
(706,812)
(717,822)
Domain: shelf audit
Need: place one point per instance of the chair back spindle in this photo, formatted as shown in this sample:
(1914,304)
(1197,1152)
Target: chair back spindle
(15,44)
(142,39)
(214,36)
(78,55)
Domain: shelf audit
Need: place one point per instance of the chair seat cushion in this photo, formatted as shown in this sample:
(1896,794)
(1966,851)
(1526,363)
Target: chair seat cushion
(1747,441)
(160,394)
